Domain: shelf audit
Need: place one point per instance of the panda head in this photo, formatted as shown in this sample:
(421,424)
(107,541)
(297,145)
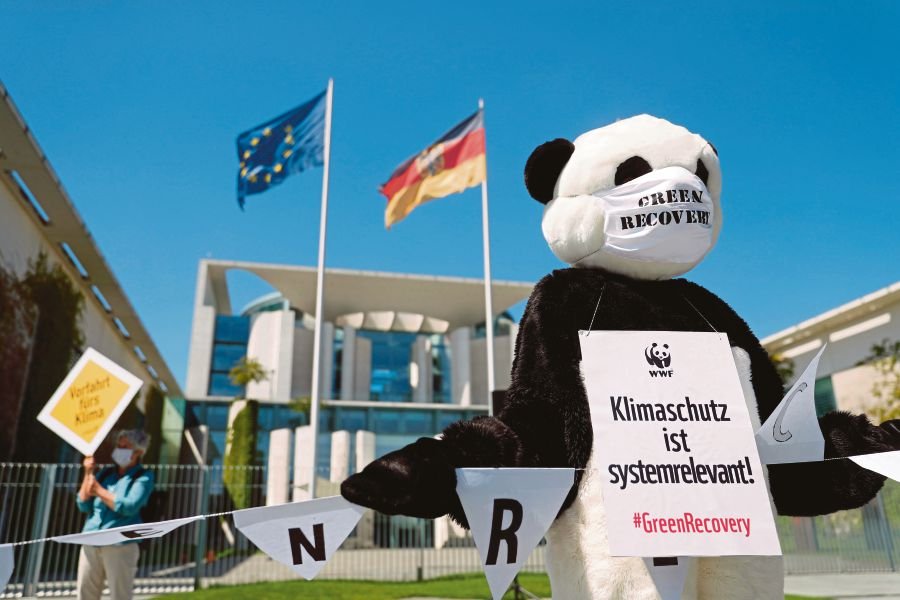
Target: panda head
(574,180)
(662,353)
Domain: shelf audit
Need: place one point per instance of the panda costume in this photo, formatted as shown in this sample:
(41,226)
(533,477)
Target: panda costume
(621,278)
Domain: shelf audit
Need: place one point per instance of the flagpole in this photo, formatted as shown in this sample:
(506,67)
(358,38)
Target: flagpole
(488,301)
(320,295)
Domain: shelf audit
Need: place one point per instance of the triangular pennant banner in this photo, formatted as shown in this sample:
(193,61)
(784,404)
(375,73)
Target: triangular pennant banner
(7,562)
(126,533)
(884,463)
(668,575)
(300,535)
(509,511)
(791,433)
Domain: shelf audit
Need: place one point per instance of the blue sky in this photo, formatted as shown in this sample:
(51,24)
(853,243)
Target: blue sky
(138,105)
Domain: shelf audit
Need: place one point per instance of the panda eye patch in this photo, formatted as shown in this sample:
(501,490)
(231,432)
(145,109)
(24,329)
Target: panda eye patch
(702,172)
(632,168)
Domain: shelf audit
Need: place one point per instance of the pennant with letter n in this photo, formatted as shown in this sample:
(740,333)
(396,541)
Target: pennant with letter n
(301,535)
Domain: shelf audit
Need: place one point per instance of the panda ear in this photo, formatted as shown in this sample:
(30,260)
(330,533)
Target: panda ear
(544,166)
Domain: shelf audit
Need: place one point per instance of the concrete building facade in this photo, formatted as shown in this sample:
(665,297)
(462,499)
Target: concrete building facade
(403,356)
(845,377)
(38,218)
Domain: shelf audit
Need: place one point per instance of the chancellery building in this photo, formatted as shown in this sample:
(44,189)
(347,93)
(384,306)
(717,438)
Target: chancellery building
(402,356)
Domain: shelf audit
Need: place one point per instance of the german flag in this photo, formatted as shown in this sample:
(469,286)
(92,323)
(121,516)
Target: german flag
(450,165)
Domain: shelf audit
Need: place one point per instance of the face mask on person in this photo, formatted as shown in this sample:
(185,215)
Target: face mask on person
(665,215)
(122,456)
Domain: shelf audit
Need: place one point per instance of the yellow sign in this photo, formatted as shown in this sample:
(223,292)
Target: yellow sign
(89,401)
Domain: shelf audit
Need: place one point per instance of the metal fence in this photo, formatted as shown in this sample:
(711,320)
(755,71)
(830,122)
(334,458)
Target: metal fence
(38,501)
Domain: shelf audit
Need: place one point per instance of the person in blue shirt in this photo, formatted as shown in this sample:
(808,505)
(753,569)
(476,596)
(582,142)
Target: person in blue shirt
(113,498)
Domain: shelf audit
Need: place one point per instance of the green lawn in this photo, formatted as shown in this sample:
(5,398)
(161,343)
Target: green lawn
(463,586)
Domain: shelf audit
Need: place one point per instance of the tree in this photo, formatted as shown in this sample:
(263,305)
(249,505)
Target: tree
(247,370)
(58,341)
(784,366)
(18,319)
(240,452)
(302,405)
(884,357)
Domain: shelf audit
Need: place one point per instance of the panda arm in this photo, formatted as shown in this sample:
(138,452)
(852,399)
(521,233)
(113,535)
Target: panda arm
(819,488)
(419,479)
(813,488)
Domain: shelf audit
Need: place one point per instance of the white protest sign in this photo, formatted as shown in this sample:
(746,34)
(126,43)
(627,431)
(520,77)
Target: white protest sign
(884,463)
(300,535)
(7,562)
(673,446)
(509,511)
(669,575)
(89,401)
(126,533)
(791,433)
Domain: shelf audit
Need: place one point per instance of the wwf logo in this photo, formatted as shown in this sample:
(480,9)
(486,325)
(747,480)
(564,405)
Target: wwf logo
(660,357)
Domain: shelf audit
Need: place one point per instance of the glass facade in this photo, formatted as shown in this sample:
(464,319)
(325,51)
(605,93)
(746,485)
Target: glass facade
(392,356)
(229,346)
(392,353)
(215,416)
(503,324)
(824,396)
(440,368)
(393,428)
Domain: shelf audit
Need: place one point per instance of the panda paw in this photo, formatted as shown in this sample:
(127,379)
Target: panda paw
(892,427)
(418,480)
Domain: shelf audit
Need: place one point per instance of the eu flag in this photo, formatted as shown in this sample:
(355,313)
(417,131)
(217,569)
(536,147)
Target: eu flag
(288,144)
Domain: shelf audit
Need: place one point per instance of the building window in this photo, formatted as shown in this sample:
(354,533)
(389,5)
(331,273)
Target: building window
(440,360)
(391,357)
(226,355)
(338,362)
(351,419)
(503,324)
(445,418)
(220,385)
(824,395)
(229,346)
(232,329)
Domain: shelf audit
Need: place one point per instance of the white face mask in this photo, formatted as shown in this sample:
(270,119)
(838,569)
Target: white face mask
(122,456)
(663,216)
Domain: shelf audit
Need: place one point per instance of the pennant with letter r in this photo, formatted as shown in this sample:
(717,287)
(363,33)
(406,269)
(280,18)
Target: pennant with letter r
(7,562)
(791,433)
(509,511)
(301,535)
(126,533)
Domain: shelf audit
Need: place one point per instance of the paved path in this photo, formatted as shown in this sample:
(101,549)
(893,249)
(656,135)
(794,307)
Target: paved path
(858,586)
(846,586)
